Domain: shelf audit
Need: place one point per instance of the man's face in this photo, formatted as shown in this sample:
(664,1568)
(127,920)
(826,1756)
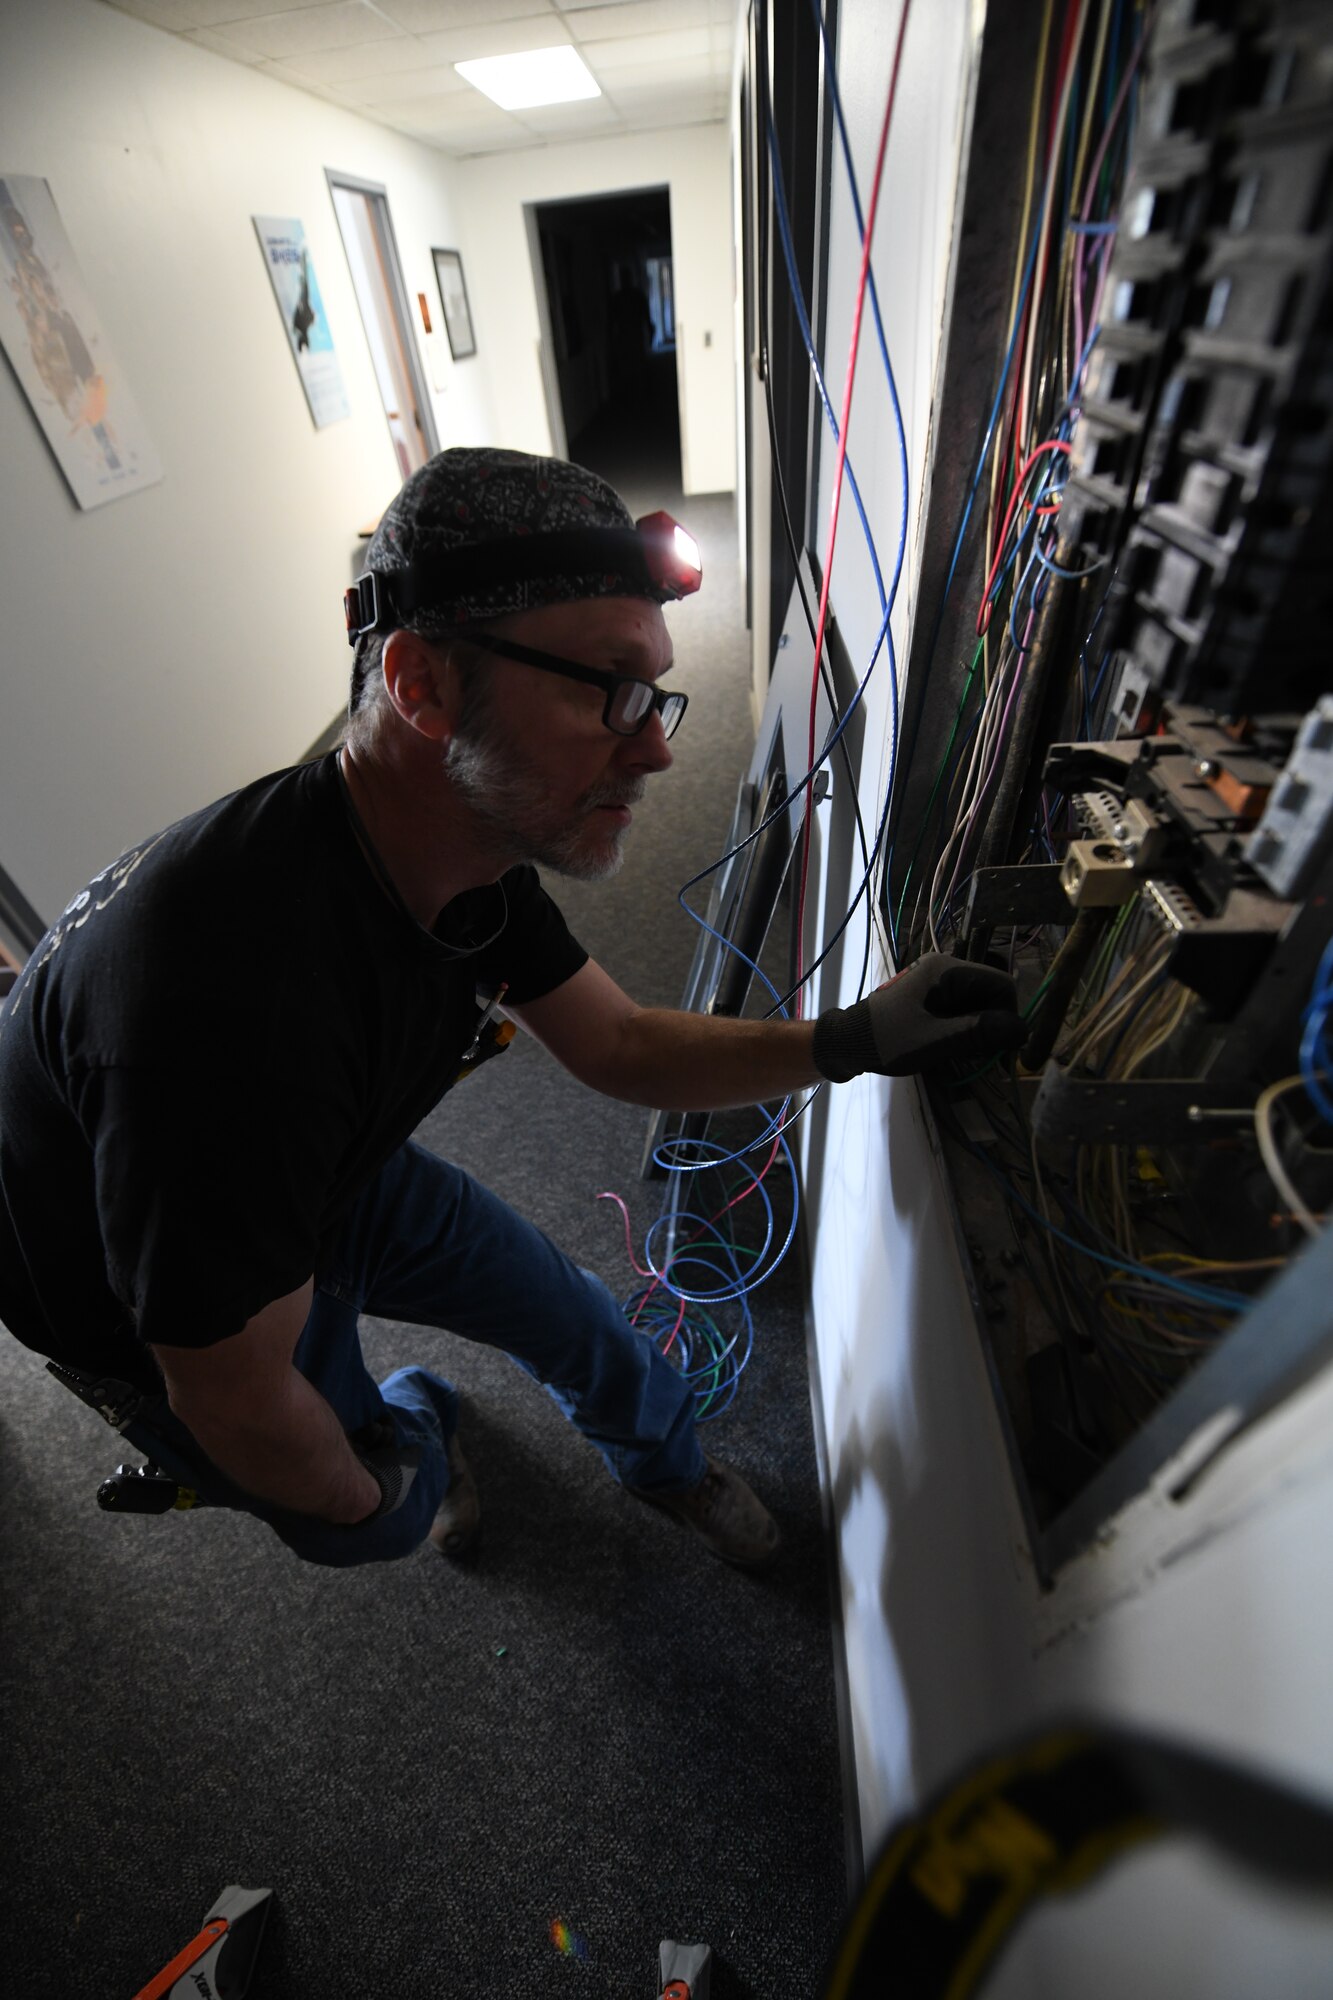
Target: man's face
(532,757)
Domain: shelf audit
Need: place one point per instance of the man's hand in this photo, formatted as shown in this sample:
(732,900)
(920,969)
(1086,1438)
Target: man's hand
(393,1466)
(938,1011)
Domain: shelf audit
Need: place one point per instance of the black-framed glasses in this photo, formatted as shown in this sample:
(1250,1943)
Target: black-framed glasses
(629,703)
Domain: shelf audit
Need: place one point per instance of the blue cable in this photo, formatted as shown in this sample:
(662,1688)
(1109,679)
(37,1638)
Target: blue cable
(739,1284)
(793,280)
(789,801)
(1315,1053)
(1203,1295)
(831,76)
(742,1285)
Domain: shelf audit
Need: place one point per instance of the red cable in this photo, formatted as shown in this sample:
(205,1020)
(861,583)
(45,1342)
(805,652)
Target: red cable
(1068,54)
(660,1277)
(808,820)
(983,616)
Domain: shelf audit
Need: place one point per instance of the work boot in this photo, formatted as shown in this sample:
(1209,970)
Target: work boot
(726,1516)
(458,1517)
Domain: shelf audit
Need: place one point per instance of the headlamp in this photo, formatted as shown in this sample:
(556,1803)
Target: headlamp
(656,552)
(671,556)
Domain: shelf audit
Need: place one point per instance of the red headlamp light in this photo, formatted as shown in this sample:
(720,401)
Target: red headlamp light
(671,555)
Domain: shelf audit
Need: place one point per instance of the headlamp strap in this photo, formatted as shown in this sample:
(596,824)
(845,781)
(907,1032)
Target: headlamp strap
(645,554)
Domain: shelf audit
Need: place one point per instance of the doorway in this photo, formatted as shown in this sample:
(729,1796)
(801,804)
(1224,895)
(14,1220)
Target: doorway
(610,317)
(362,209)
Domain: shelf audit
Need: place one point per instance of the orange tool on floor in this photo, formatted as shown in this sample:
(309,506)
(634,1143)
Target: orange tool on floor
(219,1962)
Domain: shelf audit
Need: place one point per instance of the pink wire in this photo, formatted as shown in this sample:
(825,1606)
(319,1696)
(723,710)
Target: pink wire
(607,1195)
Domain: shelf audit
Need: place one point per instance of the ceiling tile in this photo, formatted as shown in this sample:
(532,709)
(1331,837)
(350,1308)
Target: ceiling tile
(426,17)
(568,121)
(349,65)
(209,38)
(180,15)
(630,91)
(305,29)
(391,61)
(495,38)
(384,92)
(661,114)
(639,17)
(464,111)
(646,51)
(459,148)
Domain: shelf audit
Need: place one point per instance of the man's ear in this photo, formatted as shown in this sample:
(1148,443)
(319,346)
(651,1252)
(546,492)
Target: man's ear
(422,684)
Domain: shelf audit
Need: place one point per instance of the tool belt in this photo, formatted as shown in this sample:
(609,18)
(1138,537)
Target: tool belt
(117,1403)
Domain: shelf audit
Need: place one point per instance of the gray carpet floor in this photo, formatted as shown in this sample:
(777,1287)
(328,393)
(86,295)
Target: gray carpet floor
(593,1726)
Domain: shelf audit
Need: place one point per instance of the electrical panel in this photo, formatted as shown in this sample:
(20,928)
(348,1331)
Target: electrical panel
(1133,810)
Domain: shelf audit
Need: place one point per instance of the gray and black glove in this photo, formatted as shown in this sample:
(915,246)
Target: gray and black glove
(391,1464)
(938,1011)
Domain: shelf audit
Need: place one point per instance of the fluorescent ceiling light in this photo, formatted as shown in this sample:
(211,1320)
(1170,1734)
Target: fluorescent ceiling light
(538,76)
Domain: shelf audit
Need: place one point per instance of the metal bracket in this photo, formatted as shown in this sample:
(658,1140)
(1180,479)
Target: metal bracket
(1162,1111)
(1026,896)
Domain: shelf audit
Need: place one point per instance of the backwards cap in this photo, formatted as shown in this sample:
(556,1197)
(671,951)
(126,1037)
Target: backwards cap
(479,532)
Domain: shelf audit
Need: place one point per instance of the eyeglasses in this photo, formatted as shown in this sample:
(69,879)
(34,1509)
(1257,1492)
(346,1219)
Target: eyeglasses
(629,703)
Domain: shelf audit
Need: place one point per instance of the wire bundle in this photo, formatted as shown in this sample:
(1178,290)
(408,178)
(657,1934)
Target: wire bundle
(696,1301)
(1079,129)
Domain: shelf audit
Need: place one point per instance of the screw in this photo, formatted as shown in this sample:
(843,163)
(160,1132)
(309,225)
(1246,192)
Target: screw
(1206,768)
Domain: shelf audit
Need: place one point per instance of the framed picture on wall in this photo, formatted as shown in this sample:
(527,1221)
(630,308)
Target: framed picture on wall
(296,289)
(453,297)
(52,334)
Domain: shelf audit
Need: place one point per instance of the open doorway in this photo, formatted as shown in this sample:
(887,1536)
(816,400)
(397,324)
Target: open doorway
(605,262)
(362,209)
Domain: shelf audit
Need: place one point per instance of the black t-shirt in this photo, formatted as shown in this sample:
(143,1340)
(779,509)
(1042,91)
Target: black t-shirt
(214,1051)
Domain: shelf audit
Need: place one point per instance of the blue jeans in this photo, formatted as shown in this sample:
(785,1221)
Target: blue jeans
(426,1244)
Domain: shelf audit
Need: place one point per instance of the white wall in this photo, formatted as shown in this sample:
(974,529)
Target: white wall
(1209,1618)
(935,1633)
(166,647)
(694,164)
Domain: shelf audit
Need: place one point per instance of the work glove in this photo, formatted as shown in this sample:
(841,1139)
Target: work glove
(938,1011)
(391,1464)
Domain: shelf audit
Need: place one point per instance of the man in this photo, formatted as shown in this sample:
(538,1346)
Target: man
(206,1174)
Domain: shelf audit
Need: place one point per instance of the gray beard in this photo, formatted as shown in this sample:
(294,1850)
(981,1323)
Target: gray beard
(511,802)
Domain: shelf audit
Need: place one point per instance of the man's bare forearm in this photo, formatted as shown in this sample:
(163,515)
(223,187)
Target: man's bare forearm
(676,1061)
(290,1451)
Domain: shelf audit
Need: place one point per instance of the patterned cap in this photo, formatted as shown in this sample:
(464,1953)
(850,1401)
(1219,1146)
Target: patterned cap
(484,499)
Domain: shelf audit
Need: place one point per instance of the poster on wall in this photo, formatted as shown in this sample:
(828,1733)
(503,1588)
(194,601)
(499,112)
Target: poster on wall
(296,289)
(57,349)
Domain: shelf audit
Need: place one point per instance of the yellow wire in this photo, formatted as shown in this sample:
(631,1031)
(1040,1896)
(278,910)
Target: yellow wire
(1215,1263)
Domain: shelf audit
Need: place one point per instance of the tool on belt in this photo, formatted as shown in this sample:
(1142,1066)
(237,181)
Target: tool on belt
(130,1489)
(219,1962)
(493,1035)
